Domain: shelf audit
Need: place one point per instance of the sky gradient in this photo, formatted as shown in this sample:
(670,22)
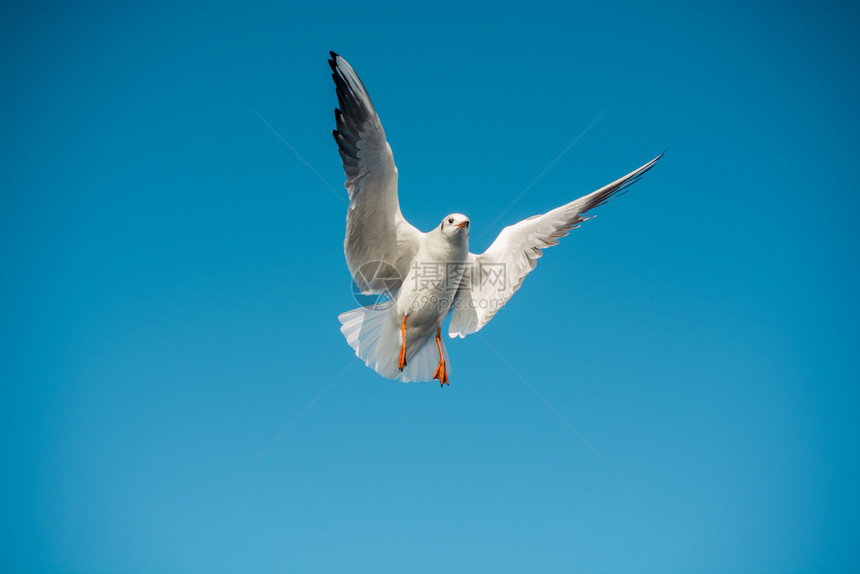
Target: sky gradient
(674,388)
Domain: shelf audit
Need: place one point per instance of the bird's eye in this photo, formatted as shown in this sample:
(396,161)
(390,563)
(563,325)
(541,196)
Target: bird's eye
(450,220)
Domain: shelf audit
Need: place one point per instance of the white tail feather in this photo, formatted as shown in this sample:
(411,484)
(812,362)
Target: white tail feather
(374,334)
(422,365)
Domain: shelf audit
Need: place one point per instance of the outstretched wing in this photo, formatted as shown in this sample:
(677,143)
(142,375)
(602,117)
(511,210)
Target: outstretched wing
(497,273)
(376,231)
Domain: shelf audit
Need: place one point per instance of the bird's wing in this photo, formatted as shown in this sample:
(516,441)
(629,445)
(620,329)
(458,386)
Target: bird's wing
(495,275)
(376,231)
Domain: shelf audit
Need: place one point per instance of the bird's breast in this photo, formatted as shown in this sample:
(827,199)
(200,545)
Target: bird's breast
(429,288)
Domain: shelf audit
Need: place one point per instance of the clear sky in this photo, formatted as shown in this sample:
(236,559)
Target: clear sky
(674,389)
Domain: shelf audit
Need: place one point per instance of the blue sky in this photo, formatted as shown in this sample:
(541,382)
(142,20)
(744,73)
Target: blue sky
(172,275)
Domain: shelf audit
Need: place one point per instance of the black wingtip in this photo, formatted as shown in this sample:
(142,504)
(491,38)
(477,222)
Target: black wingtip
(333,55)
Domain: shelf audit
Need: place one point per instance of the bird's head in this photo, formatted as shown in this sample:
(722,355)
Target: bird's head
(455,227)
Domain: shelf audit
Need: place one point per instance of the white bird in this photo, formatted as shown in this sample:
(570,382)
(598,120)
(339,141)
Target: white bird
(426,275)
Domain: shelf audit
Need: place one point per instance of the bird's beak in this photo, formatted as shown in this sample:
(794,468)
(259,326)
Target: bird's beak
(460,225)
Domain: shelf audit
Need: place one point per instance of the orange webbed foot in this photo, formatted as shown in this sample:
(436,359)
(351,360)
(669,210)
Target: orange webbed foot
(441,373)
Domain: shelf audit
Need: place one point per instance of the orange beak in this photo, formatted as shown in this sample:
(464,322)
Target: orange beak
(460,225)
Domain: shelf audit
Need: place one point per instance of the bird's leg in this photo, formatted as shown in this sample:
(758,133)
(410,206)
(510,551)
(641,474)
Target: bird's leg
(401,362)
(441,372)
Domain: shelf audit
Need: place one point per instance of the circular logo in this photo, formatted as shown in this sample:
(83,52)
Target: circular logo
(375,283)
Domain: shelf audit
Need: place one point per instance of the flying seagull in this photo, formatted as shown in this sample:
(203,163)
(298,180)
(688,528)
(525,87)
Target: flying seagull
(426,276)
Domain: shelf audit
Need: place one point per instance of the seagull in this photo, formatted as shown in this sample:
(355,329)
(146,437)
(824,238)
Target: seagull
(420,277)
